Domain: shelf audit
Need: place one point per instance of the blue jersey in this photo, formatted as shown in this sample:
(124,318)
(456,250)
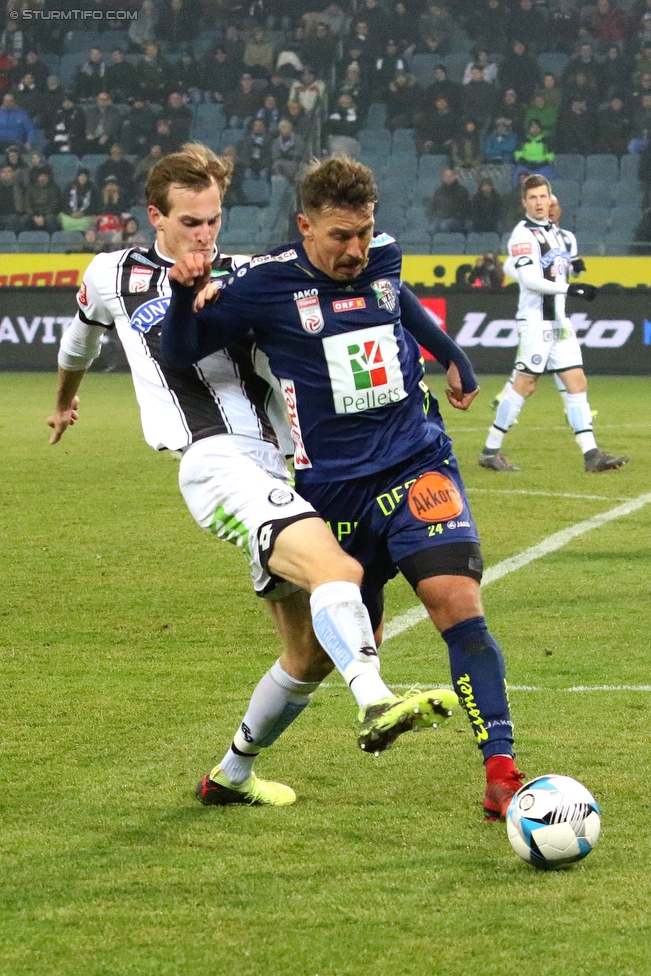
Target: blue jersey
(350,374)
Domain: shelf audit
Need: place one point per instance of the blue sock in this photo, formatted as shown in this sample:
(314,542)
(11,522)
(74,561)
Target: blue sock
(479,678)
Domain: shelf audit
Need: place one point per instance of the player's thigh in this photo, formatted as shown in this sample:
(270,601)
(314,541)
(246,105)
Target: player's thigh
(307,553)
(534,346)
(239,496)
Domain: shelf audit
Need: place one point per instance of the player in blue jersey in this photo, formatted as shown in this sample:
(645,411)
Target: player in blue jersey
(371,453)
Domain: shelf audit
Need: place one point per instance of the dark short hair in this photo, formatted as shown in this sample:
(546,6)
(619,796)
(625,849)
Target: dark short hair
(337,182)
(533,181)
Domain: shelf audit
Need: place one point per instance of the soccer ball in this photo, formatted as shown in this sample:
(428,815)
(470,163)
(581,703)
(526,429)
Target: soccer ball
(553,821)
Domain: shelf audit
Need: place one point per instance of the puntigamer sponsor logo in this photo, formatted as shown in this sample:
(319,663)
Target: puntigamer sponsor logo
(496,333)
(147,315)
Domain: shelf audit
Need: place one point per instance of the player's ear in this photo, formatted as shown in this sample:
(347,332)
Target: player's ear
(155,216)
(304,224)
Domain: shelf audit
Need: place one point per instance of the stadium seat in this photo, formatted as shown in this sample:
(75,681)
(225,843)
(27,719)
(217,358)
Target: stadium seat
(141,215)
(68,67)
(8,243)
(448,244)
(415,242)
(592,245)
(402,166)
(480,243)
(209,113)
(431,166)
(403,141)
(257,192)
(202,44)
(66,241)
(625,193)
(628,168)
(395,191)
(595,193)
(552,61)
(374,140)
(602,166)
(375,161)
(82,41)
(91,161)
(34,241)
(391,219)
(64,168)
(228,137)
(568,193)
(416,218)
(624,218)
(424,62)
(52,61)
(569,166)
(455,65)
(424,188)
(591,220)
(376,116)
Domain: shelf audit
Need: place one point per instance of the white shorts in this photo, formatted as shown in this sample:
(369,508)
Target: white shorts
(235,487)
(547,347)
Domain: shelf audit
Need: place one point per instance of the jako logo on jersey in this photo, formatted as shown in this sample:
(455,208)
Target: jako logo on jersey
(364,368)
(308,293)
(147,315)
(385,294)
(310,314)
(139,279)
(266,258)
(348,304)
(301,460)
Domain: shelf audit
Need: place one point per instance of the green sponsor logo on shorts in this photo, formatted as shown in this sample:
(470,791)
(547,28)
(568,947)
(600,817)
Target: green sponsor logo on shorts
(227,527)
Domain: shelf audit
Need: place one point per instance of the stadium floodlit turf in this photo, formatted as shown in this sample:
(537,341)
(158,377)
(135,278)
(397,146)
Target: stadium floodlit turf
(130,643)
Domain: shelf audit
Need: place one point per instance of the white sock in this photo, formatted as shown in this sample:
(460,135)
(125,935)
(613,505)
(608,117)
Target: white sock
(507,413)
(579,416)
(562,390)
(343,629)
(277,700)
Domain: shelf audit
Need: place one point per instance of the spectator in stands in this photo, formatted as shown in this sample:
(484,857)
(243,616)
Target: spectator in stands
(235,196)
(179,115)
(614,73)
(177,25)
(402,102)
(581,88)
(501,143)
(642,236)
(119,167)
(551,93)
(90,77)
(584,60)
(120,79)
(81,202)
(485,207)
(270,114)
(435,29)
(143,167)
(483,60)
(512,209)
(287,152)
(525,20)
(643,87)
(511,108)
(361,47)
(143,29)
(563,26)
(254,150)
(301,123)
(606,22)
(31,64)
(132,236)
(219,74)
(16,127)
(614,128)
(576,131)
(138,128)
(103,122)
(288,63)
(384,70)
(10,200)
(259,54)
(449,207)
(441,85)
(534,154)
(641,62)
(6,67)
(234,45)
(353,85)
(112,206)
(546,115)
(519,71)
(335,18)
(90,243)
(404,27)
(489,23)
(277,86)
(51,100)
(644,171)
(464,152)
(152,74)
(641,126)
(478,98)
(308,91)
(242,105)
(13,40)
(373,15)
(342,127)
(41,203)
(435,131)
(66,130)
(14,159)
(320,50)
(29,98)
(487,272)
(163,136)
(184,76)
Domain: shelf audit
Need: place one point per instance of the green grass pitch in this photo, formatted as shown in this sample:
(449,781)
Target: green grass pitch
(130,643)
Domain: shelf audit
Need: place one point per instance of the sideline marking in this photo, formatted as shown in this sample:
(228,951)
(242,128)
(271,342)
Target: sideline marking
(474,430)
(550,494)
(582,689)
(553,542)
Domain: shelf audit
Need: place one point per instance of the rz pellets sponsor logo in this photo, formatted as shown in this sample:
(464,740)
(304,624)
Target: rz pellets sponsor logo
(364,368)
(500,333)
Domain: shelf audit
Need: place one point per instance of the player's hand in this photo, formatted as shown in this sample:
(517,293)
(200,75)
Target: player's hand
(578,265)
(207,295)
(456,397)
(193,270)
(587,292)
(60,420)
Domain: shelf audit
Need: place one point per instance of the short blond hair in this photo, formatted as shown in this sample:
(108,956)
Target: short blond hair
(337,182)
(194,167)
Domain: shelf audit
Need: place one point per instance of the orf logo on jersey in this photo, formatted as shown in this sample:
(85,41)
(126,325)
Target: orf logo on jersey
(310,313)
(147,315)
(385,294)
(139,279)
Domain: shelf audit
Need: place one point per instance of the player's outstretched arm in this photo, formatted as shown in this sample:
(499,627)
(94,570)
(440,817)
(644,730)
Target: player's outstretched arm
(416,320)
(66,405)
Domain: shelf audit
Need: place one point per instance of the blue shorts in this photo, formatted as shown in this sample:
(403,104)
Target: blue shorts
(386,517)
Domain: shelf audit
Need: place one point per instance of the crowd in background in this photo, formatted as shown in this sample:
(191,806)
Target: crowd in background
(274,66)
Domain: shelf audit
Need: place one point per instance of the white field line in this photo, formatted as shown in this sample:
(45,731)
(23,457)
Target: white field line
(582,689)
(551,544)
(549,494)
(464,430)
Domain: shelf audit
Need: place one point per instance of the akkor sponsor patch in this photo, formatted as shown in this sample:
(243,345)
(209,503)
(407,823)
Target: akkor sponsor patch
(434,498)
